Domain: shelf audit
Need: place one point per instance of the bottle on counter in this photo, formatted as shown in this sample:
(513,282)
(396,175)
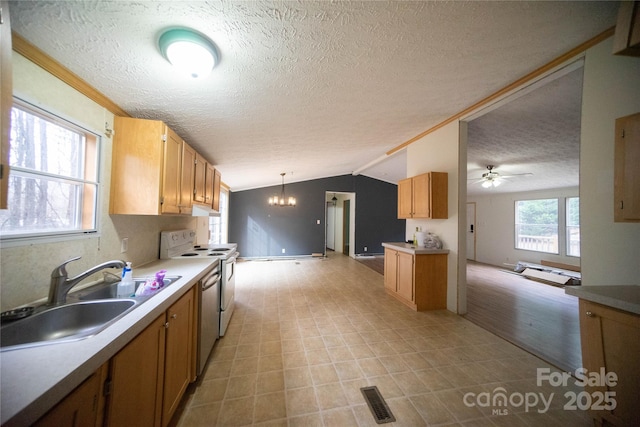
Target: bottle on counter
(126,287)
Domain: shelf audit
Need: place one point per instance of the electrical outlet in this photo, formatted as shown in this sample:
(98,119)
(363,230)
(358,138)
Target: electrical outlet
(365,249)
(124,245)
(283,251)
(318,221)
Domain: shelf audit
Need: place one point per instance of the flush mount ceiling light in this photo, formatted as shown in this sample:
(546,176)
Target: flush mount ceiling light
(281,200)
(189,51)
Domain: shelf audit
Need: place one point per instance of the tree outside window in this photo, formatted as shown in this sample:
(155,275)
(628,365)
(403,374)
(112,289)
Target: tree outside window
(537,225)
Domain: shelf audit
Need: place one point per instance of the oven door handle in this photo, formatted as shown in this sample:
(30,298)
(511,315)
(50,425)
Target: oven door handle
(210,281)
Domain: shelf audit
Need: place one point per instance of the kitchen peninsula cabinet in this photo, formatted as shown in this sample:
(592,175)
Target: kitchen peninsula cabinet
(150,375)
(424,196)
(146,168)
(416,277)
(82,407)
(610,341)
(626,187)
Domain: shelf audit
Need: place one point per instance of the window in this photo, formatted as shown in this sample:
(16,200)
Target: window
(218,225)
(537,225)
(53,181)
(573,226)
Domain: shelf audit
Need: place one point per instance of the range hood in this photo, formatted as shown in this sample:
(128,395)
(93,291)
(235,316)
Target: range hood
(203,210)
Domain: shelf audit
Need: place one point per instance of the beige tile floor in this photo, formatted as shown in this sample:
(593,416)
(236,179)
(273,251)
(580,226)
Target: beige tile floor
(307,334)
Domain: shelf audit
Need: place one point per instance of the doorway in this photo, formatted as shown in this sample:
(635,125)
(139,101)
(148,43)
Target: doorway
(340,222)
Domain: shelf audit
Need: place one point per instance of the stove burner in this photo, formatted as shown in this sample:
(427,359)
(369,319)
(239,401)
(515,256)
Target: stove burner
(189,254)
(198,248)
(220,249)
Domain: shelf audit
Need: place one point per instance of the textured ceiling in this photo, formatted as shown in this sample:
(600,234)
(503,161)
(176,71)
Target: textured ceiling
(312,88)
(537,133)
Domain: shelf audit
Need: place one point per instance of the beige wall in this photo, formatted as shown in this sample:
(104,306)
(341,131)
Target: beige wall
(25,270)
(611,89)
(438,152)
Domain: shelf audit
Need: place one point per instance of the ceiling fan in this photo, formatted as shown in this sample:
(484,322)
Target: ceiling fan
(493,178)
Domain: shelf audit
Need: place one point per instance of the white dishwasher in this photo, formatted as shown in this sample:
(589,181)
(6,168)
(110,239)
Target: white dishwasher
(209,314)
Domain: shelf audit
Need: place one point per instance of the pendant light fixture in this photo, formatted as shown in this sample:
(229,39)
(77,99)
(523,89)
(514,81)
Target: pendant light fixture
(282,200)
(189,51)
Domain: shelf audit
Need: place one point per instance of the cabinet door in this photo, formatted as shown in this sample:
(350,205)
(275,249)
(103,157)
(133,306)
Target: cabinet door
(626,172)
(611,340)
(171,172)
(137,373)
(217,179)
(178,354)
(6,100)
(200,179)
(421,196)
(209,184)
(405,276)
(390,269)
(81,408)
(405,198)
(187,178)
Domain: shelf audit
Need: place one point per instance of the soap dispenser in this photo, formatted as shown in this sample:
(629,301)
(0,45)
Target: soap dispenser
(126,287)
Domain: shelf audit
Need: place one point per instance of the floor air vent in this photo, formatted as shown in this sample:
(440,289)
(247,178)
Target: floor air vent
(378,406)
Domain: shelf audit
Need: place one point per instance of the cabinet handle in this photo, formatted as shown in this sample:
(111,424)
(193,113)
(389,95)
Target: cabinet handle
(590,314)
(166,325)
(174,316)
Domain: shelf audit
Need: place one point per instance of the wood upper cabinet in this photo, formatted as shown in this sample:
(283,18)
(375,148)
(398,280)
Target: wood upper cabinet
(217,180)
(6,99)
(611,341)
(419,281)
(201,183)
(627,37)
(83,407)
(150,375)
(424,196)
(626,186)
(146,168)
(187,175)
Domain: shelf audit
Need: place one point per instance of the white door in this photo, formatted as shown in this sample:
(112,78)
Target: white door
(331,226)
(471,231)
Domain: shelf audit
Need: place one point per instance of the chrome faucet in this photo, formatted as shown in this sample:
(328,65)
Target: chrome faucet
(61,284)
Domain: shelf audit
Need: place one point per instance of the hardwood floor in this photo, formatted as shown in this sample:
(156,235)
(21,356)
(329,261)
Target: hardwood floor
(374,262)
(537,317)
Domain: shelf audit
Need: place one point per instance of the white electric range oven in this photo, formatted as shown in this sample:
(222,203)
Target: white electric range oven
(179,244)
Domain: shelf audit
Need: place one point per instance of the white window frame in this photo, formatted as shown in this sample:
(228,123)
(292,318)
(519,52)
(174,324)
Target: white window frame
(222,220)
(568,227)
(18,239)
(541,243)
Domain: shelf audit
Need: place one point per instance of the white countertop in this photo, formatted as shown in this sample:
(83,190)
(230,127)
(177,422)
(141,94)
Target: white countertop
(34,379)
(622,297)
(412,249)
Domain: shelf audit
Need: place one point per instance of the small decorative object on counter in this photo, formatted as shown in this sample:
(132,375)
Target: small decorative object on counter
(152,286)
(127,286)
(432,241)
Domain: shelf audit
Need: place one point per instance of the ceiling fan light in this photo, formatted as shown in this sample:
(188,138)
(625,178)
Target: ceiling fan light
(496,182)
(486,184)
(190,52)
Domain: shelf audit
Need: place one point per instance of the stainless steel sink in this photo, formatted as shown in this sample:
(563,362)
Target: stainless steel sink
(68,322)
(109,290)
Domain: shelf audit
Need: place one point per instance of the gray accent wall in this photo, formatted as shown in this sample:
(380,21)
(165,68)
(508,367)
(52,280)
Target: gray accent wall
(263,231)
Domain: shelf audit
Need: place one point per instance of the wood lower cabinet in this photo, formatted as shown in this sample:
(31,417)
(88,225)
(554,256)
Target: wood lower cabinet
(424,196)
(626,188)
(83,407)
(417,280)
(150,375)
(179,354)
(611,341)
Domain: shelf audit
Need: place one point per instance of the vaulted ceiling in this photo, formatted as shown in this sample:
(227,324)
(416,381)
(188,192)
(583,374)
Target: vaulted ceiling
(311,88)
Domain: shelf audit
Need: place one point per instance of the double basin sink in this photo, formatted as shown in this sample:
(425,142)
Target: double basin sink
(86,313)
